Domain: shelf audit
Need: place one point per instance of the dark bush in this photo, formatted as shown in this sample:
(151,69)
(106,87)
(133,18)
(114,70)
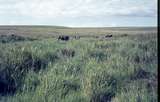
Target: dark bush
(7,84)
(69,86)
(12,73)
(30,62)
(67,52)
(13,38)
(124,35)
(141,74)
(103,97)
(103,88)
(31,81)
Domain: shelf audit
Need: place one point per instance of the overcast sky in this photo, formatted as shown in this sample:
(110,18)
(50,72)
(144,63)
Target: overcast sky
(79,12)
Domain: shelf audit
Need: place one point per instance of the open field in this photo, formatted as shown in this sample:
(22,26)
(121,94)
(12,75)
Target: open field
(36,67)
(48,31)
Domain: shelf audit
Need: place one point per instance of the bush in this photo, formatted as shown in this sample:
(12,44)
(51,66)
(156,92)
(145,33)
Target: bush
(16,64)
(103,87)
(13,38)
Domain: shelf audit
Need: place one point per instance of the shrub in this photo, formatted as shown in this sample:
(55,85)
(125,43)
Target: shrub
(67,52)
(13,38)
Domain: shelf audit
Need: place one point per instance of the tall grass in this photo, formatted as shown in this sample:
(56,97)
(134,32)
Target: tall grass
(123,69)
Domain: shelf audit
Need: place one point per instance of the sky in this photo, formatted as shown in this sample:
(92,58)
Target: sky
(79,13)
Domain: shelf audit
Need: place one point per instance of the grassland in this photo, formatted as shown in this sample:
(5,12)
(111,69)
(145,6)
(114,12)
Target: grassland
(54,31)
(117,69)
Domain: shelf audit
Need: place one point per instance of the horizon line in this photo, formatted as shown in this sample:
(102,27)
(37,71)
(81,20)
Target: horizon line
(37,25)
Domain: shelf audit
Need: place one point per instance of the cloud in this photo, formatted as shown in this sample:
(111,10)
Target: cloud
(76,8)
(62,9)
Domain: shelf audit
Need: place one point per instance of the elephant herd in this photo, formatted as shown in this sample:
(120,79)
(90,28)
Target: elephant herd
(66,37)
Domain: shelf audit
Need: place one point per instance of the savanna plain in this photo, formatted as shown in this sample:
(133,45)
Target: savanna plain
(36,66)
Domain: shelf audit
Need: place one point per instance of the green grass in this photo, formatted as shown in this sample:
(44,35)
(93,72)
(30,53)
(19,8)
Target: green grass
(122,69)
